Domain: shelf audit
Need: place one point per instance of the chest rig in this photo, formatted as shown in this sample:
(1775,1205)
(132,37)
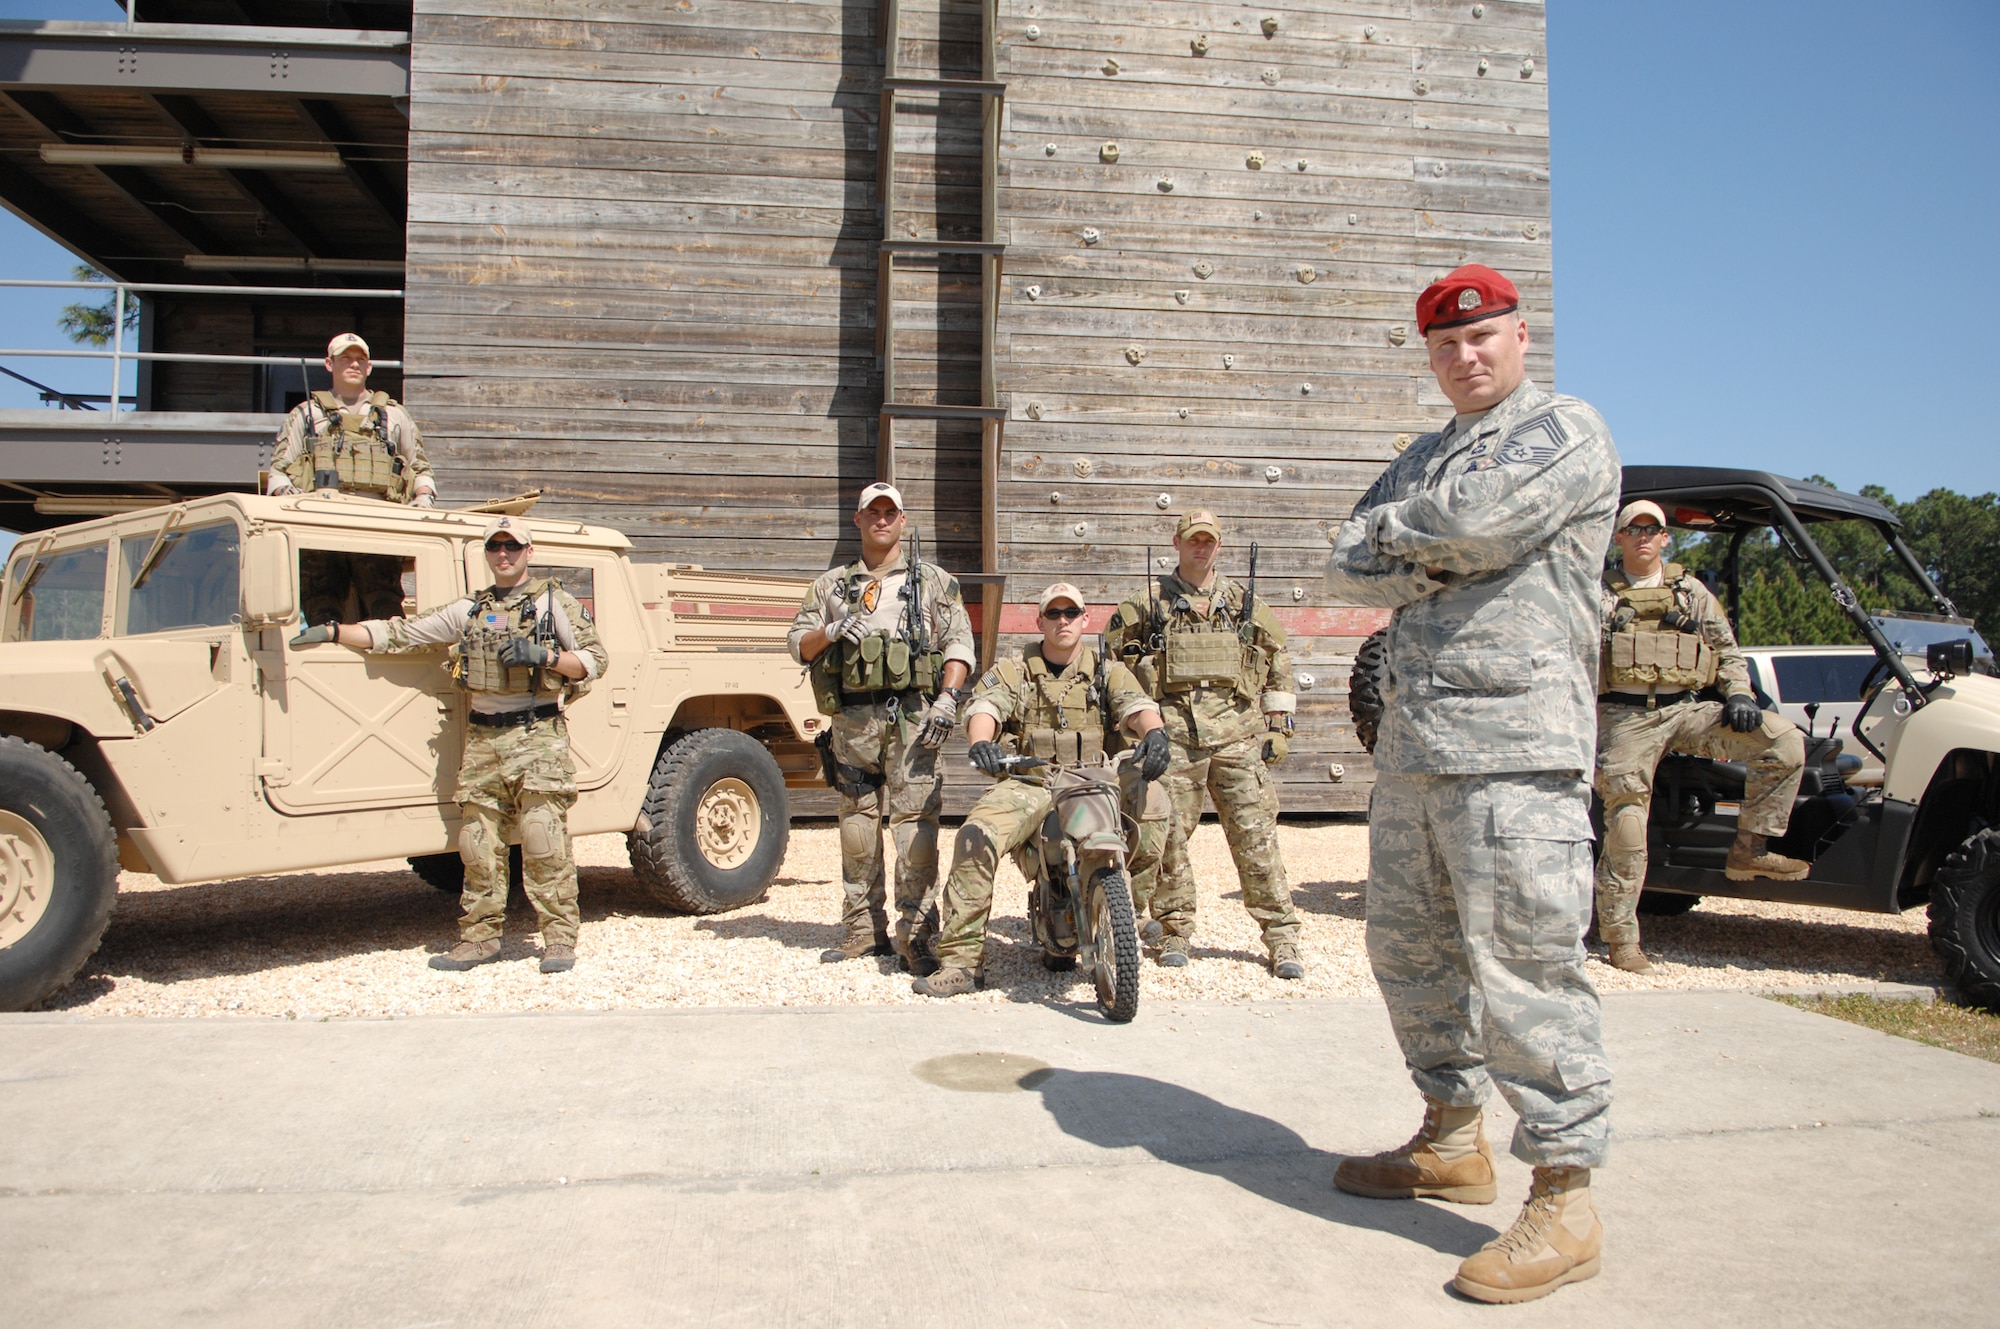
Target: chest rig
(1061,719)
(864,670)
(528,610)
(1191,650)
(350,453)
(1654,637)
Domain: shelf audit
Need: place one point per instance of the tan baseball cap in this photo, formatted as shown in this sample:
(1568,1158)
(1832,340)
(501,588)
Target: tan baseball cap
(1198,520)
(1061,590)
(1642,507)
(879,490)
(512,527)
(344,342)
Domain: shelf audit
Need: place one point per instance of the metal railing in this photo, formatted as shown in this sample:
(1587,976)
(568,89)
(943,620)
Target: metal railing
(118,355)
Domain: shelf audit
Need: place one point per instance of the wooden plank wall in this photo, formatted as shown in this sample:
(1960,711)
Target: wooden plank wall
(642,273)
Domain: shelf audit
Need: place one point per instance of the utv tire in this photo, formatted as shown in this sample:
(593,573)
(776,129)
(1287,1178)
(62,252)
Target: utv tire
(446,872)
(1364,687)
(1117,945)
(1666,904)
(714,826)
(1965,919)
(58,872)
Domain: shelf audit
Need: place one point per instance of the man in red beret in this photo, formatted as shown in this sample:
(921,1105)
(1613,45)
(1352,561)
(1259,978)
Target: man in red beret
(1486,538)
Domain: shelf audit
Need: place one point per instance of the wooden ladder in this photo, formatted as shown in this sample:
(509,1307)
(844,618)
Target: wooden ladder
(990,412)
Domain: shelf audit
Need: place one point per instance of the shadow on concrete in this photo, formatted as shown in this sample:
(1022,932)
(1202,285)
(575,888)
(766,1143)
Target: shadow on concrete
(1267,1158)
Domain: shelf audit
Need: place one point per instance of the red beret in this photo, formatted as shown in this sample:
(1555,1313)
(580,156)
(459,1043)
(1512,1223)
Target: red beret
(1465,295)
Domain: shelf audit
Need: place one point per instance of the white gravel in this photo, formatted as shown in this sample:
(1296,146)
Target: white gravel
(353,943)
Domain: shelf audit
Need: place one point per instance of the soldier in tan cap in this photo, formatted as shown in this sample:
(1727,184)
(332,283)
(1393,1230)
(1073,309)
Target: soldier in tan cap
(1224,682)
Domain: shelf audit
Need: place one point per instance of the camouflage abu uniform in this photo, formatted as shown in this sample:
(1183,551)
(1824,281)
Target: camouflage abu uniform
(1479,826)
(1216,729)
(1633,736)
(874,738)
(517,773)
(1024,695)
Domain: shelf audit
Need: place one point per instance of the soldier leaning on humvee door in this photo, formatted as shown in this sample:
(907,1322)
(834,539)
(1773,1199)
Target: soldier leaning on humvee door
(888,646)
(1225,690)
(523,647)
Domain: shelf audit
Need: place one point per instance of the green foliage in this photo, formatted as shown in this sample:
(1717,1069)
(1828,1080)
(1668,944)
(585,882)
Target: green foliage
(90,325)
(1955,538)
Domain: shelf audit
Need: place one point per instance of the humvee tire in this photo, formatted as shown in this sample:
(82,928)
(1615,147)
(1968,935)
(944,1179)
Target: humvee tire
(1965,919)
(714,825)
(1364,687)
(58,872)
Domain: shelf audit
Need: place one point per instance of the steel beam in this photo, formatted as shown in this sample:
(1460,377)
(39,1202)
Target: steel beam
(139,448)
(186,57)
(256,186)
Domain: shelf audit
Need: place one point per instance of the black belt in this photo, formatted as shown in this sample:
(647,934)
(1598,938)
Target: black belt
(514,719)
(1657,699)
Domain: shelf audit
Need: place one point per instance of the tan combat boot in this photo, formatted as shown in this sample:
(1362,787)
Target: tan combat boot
(1626,955)
(1749,859)
(862,939)
(916,949)
(949,982)
(1447,1159)
(467,954)
(1286,962)
(558,958)
(1174,952)
(1556,1240)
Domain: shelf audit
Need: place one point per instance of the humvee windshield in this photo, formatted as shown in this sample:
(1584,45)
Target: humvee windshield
(191,583)
(64,600)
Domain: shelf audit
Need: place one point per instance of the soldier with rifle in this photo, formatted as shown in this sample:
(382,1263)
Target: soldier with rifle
(888,646)
(1215,660)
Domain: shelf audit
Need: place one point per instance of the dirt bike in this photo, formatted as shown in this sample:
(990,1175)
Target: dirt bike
(1080,898)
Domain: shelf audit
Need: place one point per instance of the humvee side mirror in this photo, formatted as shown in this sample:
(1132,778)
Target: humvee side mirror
(269,593)
(1949,659)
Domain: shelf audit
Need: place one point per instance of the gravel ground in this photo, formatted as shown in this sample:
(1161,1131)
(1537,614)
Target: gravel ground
(353,942)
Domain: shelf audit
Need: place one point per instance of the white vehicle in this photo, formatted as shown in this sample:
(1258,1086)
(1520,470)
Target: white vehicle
(1817,688)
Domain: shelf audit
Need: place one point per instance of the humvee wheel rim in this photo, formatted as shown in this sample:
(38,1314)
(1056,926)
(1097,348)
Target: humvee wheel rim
(728,823)
(27,878)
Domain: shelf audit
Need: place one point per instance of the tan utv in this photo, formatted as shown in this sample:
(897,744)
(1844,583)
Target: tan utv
(152,719)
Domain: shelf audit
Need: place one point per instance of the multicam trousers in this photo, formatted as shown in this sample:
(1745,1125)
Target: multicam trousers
(1004,821)
(517,779)
(1478,889)
(1246,801)
(882,739)
(1630,743)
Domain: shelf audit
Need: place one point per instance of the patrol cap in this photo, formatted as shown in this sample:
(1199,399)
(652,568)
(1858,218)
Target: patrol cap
(1641,507)
(512,527)
(1464,295)
(1061,590)
(343,342)
(1198,520)
(877,490)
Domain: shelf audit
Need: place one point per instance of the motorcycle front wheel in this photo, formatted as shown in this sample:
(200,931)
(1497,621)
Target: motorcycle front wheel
(1115,945)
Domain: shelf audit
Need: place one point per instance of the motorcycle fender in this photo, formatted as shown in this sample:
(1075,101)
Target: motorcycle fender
(1102,842)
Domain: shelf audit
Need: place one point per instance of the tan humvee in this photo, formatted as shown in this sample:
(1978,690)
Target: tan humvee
(152,718)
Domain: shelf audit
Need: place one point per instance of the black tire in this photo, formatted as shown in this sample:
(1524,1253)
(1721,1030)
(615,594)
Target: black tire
(1117,945)
(1364,687)
(446,872)
(666,849)
(1666,904)
(50,800)
(1965,919)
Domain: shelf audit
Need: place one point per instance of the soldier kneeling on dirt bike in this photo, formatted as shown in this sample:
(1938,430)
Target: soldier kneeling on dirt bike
(1066,709)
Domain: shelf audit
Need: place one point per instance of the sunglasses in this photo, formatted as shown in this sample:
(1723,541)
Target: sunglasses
(1646,532)
(1069,615)
(504,547)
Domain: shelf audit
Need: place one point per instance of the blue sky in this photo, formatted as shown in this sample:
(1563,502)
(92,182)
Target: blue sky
(1772,227)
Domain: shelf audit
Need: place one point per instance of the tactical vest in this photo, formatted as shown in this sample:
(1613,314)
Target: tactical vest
(525,611)
(877,663)
(1641,652)
(1205,653)
(1061,719)
(348,454)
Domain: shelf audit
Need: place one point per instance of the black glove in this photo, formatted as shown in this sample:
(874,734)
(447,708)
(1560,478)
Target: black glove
(1153,754)
(988,756)
(1742,713)
(314,635)
(526,653)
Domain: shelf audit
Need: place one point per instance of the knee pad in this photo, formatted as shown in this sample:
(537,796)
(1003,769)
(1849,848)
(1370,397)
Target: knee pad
(471,840)
(860,836)
(1626,828)
(974,842)
(542,832)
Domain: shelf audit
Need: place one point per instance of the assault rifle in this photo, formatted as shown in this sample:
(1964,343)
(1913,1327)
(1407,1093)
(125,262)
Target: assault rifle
(544,633)
(1247,629)
(916,630)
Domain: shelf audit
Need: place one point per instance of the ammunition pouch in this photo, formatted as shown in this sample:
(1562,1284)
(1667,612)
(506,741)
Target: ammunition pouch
(475,659)
(349,455)
(825,681)
(1067,747)
(851,781)
(880,662)
(1674,661)
(1195,659)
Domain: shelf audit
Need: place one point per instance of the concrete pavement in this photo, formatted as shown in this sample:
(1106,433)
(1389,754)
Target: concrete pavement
(878,1166)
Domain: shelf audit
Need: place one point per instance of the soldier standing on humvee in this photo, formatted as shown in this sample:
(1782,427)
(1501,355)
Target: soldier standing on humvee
(1665,641)
(524,647)
(1060,701)
(1487,538)
(1225,688)
(889,647)
(356,442)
